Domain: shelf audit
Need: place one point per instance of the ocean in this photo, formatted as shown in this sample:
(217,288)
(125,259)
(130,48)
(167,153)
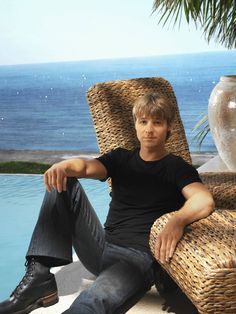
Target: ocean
(43,106)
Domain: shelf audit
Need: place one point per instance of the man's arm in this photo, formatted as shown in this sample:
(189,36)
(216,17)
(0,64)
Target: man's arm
(199,204)
(56,176)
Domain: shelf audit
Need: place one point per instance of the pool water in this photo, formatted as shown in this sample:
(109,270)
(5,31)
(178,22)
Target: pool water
(20,201)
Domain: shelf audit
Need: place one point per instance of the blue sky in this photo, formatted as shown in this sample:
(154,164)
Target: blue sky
(34,31)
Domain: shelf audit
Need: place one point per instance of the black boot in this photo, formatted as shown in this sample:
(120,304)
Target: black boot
(37,288)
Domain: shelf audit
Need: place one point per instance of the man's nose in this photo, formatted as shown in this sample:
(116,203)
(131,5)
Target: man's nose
(149,127)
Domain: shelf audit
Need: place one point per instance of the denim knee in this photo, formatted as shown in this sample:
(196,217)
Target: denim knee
(115,290)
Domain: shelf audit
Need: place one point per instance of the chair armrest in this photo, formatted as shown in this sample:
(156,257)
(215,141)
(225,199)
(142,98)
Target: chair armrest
(222,185)
(204,262)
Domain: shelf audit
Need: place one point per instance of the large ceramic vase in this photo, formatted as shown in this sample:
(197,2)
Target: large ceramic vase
(222,119)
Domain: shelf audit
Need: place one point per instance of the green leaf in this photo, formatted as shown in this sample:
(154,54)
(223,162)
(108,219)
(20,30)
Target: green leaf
(201,129)
(216,18)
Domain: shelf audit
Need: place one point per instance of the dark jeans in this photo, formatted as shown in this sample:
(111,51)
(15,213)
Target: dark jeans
(67,219)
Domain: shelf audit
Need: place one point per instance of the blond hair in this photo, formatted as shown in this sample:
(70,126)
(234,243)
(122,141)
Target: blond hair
(154,105)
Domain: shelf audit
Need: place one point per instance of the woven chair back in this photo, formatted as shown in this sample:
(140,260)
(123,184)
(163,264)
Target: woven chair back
(111,108)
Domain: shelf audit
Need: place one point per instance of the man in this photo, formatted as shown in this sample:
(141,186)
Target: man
(146,183)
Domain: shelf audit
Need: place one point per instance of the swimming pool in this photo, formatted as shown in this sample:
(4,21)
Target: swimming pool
(20,200)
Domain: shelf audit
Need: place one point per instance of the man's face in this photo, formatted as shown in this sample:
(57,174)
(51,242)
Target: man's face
(151,131)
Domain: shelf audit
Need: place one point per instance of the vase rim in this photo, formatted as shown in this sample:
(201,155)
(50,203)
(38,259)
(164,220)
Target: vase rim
(228,78)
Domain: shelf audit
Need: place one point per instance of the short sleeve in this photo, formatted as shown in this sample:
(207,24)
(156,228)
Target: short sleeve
(111,161)
(185,174)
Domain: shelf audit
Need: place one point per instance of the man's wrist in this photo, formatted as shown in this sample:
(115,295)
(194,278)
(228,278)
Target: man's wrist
(179,220)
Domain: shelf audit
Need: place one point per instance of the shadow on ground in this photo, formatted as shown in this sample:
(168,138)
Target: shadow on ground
(177,302)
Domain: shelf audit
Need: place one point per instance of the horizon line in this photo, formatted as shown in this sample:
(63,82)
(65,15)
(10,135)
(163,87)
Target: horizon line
(120,58)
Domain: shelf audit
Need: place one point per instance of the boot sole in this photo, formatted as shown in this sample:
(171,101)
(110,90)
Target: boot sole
(46,301)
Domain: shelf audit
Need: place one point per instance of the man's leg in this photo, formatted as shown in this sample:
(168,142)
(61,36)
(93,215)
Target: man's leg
(51,246)
(65,218)
(115,290)
(127,275)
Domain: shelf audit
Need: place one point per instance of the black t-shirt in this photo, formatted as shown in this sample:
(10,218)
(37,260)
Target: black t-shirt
(142,191)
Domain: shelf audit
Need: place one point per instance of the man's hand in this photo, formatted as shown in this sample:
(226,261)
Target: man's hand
(56,177)
(167,240)
(199,204)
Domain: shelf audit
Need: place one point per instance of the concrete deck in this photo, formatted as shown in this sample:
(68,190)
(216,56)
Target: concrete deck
(214,164)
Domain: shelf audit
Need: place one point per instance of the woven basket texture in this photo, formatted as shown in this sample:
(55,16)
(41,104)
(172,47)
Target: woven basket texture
(111,108)
(204,263)
(223,187)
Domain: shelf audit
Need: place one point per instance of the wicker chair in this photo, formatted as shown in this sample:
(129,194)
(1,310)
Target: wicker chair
(204,263)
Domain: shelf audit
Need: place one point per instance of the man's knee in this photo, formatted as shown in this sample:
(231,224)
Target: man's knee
(115,290)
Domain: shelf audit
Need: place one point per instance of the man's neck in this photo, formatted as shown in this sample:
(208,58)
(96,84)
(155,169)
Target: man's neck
(152,154)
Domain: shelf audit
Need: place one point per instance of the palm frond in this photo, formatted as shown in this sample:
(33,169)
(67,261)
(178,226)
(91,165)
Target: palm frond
(216,18)
(202,128)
